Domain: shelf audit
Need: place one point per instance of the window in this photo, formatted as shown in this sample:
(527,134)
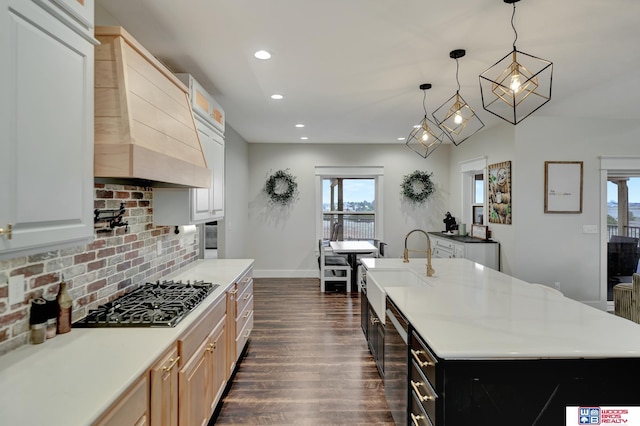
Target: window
(348,207)
(473,189)
(478,199)
(351,197)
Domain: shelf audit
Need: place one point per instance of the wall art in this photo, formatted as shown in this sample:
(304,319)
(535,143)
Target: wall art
(500,193)
(563,186)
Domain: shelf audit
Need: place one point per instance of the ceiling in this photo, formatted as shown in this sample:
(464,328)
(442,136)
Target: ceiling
(350,70)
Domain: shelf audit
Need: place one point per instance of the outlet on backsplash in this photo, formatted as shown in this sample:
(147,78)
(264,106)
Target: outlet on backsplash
(16,289)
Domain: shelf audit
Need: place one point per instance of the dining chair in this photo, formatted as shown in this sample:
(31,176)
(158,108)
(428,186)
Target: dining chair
(333,269)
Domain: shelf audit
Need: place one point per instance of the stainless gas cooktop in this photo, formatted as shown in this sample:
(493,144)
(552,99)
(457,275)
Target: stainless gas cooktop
(160,304)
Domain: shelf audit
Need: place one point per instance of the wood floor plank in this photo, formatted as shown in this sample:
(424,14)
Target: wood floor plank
(307,362)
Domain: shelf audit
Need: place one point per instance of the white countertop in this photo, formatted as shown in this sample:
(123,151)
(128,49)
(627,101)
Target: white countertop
(73,378)
(467,311)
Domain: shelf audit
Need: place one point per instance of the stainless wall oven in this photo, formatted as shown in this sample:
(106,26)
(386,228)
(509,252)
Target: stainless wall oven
(396,363)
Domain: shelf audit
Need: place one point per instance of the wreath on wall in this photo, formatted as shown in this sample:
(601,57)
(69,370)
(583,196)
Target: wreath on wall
(281,187)
(417,186)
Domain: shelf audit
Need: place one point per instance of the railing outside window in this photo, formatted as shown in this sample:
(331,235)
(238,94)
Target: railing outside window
(355,225)
(631,231)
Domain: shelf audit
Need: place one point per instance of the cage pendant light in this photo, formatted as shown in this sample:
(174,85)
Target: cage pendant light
(518,84)
(458,120)
(426,136)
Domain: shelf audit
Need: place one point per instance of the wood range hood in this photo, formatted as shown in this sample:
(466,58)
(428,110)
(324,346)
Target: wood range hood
(145,132)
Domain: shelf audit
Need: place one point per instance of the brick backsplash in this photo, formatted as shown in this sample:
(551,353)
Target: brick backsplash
(115,262)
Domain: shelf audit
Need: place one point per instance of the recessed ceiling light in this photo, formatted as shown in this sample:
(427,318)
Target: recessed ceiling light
(262,54)
(276,96)
(299,125)
(401,139)
(304,138)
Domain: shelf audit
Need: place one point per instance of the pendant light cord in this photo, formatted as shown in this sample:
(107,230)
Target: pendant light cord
(457,70)
(424,102)
(513,15)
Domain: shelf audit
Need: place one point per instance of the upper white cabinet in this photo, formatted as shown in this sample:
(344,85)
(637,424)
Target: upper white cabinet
(46,124)
(181,206)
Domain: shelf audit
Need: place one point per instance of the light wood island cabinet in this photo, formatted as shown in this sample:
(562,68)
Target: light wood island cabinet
(239,317)
(132,408)
(204,349)
(164,389)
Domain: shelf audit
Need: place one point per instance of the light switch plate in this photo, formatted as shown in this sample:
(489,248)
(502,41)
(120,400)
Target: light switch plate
(589,229)
(16,289)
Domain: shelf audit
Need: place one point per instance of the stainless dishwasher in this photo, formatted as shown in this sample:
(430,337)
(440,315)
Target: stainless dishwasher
(396,363)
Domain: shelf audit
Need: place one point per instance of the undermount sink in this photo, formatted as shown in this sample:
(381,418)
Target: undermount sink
(378,280)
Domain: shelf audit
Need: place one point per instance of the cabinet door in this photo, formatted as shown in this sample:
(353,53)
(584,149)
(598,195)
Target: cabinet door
(217,164)
(131,409)
(219,355)
(46,122)
(193,382)
(164,390)
(202,201)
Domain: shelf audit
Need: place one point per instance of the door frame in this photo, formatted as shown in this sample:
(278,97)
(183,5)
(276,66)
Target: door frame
(623,164)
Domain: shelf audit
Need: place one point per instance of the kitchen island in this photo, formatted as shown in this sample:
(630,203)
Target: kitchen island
(487,348)
(74,378)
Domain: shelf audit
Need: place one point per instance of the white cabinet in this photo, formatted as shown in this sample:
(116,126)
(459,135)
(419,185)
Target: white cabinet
(46,123)
(182,206)
(447,249)
(486,253)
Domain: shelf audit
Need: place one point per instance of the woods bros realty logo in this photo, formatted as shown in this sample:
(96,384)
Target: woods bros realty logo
(603,415)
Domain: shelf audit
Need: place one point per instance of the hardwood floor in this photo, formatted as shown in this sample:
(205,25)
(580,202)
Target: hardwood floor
(307,362)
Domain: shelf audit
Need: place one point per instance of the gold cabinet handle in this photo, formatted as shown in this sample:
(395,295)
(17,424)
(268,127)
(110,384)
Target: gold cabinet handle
(421,397)
(246,297)
(211,347)
(6,232)
(173,364)
(375,321)
(246,315)
(416,419)
(416,356)
(247,334)
(234,291)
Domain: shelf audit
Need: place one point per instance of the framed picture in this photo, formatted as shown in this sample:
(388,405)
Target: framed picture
(499,192)
(479,231)
(478,215)
(563,186)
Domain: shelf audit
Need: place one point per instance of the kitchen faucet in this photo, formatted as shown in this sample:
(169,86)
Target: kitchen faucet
(405,257)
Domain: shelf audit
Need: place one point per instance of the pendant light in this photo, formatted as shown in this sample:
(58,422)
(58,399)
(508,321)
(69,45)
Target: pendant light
(458,120)
(425,136)
(518,84)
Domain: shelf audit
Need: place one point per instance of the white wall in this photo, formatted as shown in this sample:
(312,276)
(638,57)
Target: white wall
(496,144)
(232,231)
(282,240)
(552,247)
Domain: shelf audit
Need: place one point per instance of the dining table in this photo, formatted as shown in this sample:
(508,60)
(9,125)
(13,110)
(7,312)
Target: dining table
(352,248)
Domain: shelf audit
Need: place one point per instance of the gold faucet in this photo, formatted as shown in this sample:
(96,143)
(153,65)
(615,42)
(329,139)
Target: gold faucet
(405,256)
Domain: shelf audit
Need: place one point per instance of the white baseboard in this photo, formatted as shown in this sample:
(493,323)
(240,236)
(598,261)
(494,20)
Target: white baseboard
(286,273)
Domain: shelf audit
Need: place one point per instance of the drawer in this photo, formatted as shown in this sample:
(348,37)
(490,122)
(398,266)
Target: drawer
(423,358)
(444,244)
(244,281)
(442,254)
(198,332)
(243,316)
(422,390)
(417,416)
(131,408)
(244,334)
(243,299)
